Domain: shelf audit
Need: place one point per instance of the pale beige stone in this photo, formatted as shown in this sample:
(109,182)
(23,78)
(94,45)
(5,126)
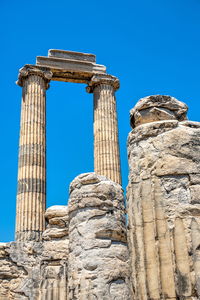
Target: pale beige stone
(31,198)
(164,149)
(152,270)
(50,233)
(98,258)
(195,194)
(182,260)
(72,55)
(156,108)
(69,65)
(195,231)
(56,211)
(136,236)
(106,144)
(164,245)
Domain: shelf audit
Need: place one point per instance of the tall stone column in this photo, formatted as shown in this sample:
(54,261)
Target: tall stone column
(106,144)
(31,193)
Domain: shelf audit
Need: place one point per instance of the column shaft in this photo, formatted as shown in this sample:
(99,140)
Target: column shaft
(106,145)
(31,193)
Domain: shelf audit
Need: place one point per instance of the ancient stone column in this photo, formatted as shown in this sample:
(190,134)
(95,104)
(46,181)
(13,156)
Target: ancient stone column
(98,253)
(31,193)
(163,200)
(106,144)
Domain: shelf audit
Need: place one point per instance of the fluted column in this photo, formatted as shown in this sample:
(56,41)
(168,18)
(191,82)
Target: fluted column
(31,193)
(106,144)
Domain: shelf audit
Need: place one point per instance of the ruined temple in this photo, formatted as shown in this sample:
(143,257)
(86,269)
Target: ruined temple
(89,249)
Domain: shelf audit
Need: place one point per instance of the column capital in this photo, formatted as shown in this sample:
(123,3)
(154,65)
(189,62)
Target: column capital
(28,70)
(102,79)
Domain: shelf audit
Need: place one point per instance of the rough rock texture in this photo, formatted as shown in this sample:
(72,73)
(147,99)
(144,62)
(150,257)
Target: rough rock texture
(37,270)
(83,254)
(163,200)
(98,254)
(157,107)
(95,265)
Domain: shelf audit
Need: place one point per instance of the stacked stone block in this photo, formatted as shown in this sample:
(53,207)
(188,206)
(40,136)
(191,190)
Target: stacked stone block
(37,270)
(98,253)
(53,270)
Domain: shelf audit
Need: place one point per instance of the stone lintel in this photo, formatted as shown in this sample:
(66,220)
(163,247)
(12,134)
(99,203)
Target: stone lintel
(70,65)
(58,74)
(72,55)
(28,70)
(102,79)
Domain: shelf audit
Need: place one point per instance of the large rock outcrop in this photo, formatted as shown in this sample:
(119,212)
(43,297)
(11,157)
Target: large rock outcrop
(98,253)
(164,200)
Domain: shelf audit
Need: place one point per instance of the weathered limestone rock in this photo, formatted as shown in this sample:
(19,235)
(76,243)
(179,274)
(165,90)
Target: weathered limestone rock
(56,211)
(57,218)
(37,270)
(54,272)
(157,108)
(163,200)
(98,254)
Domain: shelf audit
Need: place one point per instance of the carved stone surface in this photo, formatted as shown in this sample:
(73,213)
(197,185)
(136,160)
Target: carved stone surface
(36,270)
(70,66)
(102,79)
(163,200)
(31,70)
(76,67)
(31,194)
(83,253)
(98,254)
(106,141)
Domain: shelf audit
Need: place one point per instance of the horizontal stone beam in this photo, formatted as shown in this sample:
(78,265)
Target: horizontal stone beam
(60,74)
(72,55)
(80,70)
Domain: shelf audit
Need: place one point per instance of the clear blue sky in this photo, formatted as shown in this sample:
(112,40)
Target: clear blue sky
(152,46)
